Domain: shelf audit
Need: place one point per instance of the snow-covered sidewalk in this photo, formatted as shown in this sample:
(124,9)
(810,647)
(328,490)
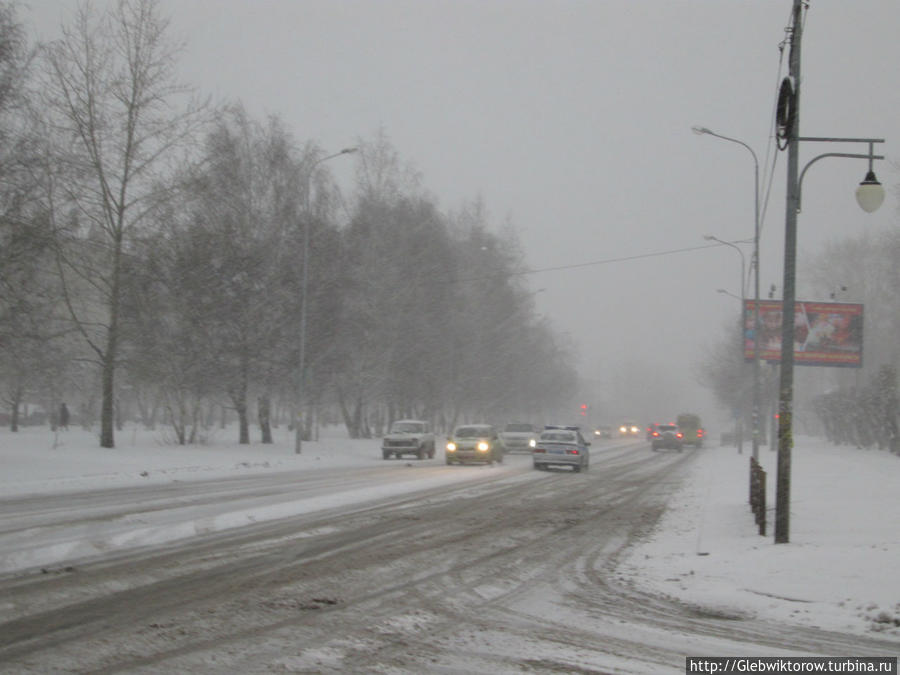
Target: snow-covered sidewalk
(841,569)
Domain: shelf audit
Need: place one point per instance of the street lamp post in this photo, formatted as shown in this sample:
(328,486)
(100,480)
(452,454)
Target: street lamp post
(743,299)
(757,415)
(737,248)
(870,194)
(301,366)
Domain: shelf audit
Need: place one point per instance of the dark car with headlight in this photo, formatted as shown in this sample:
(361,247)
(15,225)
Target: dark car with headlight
(561,446)
(474,443)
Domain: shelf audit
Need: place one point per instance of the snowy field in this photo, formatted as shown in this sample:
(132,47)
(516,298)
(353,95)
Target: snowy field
(841,570)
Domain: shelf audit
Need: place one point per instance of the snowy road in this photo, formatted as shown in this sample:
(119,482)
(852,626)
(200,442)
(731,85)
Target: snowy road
(429,569)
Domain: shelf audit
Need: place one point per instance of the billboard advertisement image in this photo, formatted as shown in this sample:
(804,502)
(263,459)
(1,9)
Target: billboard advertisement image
(825,333)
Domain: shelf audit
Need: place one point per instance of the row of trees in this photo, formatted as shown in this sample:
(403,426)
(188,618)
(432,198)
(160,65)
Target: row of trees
(863,416)
(151,256)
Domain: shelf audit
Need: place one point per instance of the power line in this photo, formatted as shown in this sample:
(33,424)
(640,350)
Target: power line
(593,263)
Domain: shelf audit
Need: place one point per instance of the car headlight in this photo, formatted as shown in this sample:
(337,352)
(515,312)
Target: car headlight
(483,447)
(451,447)
(532,443)
(624,430)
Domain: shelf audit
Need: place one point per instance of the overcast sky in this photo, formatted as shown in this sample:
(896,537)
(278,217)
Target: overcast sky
(572,119)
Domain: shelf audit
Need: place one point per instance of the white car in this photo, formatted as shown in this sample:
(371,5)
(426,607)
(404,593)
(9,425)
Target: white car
(517,436)
(408,437)
(561,446)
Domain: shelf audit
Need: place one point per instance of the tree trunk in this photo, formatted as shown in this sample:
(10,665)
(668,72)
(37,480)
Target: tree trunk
(16,402)
(244,435)
(107,439)
(107,412)
(265,425)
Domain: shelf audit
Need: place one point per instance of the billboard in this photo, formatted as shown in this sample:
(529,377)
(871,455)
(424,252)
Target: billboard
(825,333)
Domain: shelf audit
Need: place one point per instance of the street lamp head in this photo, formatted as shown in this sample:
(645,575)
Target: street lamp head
(870,193)
(700,130)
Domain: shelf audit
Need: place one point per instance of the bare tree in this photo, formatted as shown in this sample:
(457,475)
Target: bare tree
(26,293)
(244,205)
(114,116)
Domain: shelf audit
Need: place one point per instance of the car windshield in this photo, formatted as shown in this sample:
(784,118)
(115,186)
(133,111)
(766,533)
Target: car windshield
(558,436)
(472,432)
(518,427)
(406,427)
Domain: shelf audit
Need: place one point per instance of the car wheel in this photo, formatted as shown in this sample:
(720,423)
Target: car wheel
(576,468)
(385,454)
(431,452)
(449,461)
(420,453)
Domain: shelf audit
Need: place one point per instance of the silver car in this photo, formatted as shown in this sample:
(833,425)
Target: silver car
(517,436)
(561,446)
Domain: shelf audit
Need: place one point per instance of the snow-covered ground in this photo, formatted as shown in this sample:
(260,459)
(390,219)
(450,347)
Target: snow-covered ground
(840,569)
(839,572)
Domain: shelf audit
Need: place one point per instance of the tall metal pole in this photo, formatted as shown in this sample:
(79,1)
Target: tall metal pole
(757,413)
(301,367)
(741,317)
(786,390)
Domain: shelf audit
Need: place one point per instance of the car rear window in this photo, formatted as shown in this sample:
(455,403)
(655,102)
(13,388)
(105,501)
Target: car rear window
(559,436)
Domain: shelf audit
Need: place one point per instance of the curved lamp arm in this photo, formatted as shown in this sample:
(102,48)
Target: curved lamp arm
(870,192)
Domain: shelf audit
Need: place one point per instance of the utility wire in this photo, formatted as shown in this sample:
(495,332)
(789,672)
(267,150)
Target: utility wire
(593,263)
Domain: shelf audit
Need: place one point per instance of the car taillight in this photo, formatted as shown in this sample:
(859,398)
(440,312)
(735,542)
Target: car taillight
(572,452)
(699,433)
(679,435)
(655,434)
(539,450)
